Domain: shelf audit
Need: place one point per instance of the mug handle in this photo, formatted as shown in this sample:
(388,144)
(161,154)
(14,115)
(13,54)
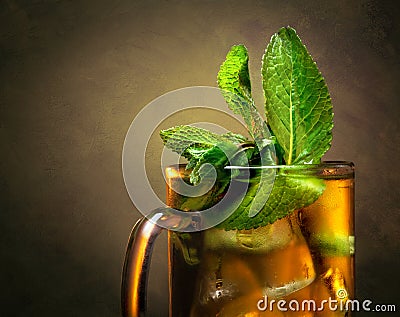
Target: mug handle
(137,265)
(138,255)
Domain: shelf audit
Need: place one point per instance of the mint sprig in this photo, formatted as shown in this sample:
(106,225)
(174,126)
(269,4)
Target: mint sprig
(299,113)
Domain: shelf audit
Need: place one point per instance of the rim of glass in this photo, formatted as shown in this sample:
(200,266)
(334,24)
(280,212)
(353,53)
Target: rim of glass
(326,168)
(323,164)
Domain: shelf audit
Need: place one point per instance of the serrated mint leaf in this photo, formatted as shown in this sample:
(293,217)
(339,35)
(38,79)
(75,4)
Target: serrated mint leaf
(298,104)
(234,81)
(289,193)
(234,75)
(186,140)
(201,146)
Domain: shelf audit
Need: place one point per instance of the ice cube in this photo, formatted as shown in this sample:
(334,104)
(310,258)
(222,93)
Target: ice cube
(275,258)
(222,278)
(260,240)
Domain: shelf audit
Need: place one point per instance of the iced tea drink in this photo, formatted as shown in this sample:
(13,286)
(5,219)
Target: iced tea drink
(304,260)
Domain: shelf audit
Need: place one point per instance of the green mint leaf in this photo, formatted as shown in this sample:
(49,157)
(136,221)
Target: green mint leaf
(234,75)
(201,146)
(186,139)
(234,81)
(190,141)
(289,193)
(298,105)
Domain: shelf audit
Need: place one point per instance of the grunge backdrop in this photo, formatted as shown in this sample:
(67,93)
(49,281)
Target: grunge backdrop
(73,74)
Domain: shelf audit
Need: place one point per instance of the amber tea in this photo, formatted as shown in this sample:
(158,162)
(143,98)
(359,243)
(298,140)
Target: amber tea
(305,256)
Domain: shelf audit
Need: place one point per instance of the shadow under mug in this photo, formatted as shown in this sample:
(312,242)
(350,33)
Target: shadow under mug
(307,255)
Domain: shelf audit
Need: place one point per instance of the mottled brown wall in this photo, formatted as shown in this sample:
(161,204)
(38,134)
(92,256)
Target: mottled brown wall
(73,74)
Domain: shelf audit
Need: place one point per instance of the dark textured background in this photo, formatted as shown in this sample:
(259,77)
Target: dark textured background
(73,74)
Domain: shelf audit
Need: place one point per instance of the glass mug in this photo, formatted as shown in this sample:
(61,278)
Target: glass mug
(295,266)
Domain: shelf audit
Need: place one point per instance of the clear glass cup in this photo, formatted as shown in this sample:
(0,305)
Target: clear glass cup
(305,258)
